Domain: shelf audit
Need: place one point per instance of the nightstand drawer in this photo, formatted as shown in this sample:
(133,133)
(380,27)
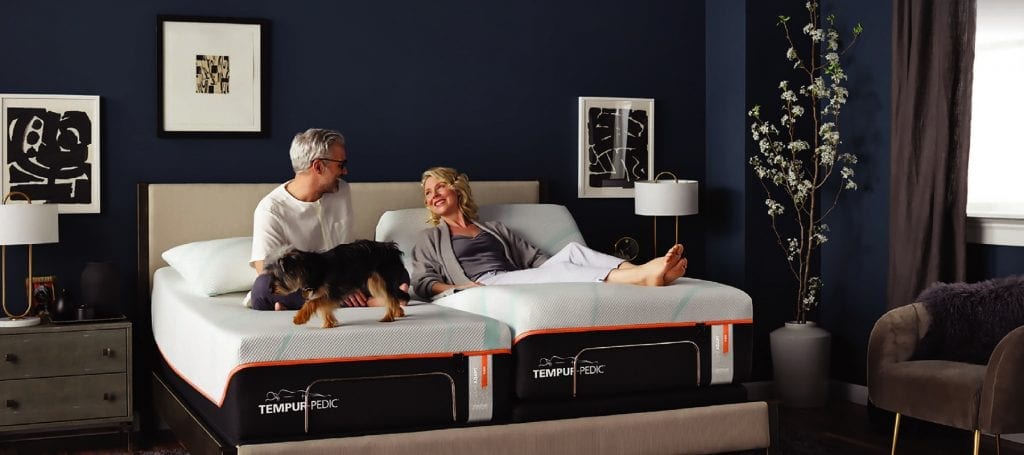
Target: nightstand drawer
(36,355)
(63,399)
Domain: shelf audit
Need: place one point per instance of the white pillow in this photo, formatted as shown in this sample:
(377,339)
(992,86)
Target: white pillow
(214,267)
(547,226)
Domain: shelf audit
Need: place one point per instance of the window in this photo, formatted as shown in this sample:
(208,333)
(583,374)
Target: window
(995,176)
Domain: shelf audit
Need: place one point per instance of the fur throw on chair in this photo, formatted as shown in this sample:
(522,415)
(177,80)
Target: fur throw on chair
(969,319)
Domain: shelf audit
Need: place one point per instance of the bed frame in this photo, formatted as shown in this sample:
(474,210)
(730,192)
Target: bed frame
(173,214)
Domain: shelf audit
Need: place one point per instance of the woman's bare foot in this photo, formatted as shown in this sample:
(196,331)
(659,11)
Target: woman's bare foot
(675,262)
(673,273)
(656,272)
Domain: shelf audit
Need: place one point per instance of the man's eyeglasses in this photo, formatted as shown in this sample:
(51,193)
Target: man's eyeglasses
(341,163)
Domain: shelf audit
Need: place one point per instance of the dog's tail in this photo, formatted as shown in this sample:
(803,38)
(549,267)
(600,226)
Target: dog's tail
(379,289)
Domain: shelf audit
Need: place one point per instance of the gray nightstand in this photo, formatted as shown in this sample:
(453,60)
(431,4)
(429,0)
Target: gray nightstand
(58,377)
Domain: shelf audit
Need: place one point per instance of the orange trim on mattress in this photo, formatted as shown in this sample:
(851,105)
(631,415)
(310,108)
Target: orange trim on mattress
(238,368)
(655,325)
(725,338)
(730,321)
(483,371)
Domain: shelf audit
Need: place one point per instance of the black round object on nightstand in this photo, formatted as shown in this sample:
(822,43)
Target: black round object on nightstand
(64,307)
(100,286)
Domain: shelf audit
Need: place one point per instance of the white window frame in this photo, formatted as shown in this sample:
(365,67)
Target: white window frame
(999,218)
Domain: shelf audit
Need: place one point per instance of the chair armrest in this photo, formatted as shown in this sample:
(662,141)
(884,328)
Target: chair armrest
(895,336)
(1003,390)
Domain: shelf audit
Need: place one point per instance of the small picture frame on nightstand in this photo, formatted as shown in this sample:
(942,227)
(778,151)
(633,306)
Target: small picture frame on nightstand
(43,293)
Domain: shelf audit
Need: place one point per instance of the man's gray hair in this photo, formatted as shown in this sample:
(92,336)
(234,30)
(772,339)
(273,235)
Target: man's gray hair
(312,144)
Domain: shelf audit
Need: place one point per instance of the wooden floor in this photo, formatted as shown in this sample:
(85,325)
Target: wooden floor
(841,428)
(844,428)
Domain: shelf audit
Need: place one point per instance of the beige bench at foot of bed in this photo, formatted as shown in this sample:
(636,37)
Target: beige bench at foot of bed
(709,429)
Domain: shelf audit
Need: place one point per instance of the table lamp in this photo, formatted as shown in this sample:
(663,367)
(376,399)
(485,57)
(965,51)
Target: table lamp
(24,224)
(665,198)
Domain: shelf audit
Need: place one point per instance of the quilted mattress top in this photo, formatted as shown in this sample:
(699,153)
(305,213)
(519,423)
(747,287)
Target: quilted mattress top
(559,307)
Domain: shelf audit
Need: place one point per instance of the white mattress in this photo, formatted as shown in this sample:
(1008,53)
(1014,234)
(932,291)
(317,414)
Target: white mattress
(207,339)
(532,308)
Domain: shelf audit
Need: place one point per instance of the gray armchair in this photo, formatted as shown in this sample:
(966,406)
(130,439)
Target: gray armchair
(981,398)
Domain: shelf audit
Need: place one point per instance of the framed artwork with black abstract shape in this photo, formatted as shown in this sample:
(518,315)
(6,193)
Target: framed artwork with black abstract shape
(51,149)
(616,145)
(212,77)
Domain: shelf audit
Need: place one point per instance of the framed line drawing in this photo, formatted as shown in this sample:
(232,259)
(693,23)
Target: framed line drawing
(616,145)
(51,149)
(212,77)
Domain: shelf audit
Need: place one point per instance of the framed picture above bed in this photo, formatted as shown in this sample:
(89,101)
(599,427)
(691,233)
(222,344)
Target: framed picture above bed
(616,145)
(212,77)
(51,149)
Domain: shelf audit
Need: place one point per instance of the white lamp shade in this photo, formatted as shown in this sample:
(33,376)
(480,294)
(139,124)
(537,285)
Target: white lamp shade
(665,197)
(28,224)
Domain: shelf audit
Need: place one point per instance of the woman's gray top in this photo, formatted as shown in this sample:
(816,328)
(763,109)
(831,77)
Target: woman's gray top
(481,254)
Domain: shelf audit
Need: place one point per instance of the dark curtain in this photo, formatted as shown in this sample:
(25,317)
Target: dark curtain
(932,75)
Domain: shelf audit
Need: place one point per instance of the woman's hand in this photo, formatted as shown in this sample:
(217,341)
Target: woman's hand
(439,287)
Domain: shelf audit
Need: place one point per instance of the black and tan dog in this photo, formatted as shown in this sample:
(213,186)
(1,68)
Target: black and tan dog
(326,278)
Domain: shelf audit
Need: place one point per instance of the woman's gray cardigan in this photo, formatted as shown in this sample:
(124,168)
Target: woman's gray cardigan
(434,260)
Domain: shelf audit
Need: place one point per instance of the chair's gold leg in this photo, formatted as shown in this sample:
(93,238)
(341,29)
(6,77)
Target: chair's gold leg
(998,450)
(896,432)
(977,441)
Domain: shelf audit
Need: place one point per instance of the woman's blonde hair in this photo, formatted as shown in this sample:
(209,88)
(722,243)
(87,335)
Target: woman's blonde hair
(458,182)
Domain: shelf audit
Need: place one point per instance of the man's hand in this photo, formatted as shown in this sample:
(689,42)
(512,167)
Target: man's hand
(356,298)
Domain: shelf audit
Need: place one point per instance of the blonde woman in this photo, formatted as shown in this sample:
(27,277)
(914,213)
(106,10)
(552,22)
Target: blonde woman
(463,252)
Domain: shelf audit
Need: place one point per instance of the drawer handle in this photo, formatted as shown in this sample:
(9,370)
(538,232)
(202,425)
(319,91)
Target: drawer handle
(12,404)
(13,358)
(107,396)
(107,352)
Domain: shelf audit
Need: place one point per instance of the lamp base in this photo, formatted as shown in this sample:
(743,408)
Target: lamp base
(28,321)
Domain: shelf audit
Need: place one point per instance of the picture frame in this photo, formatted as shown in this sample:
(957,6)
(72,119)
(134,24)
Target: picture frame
(212,77)
(616,145)
(51,149)
(42,292)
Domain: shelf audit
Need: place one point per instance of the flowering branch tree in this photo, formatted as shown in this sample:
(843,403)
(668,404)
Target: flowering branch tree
(793,170)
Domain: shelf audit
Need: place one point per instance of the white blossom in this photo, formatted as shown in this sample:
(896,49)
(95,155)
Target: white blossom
(798,146)
(793,250)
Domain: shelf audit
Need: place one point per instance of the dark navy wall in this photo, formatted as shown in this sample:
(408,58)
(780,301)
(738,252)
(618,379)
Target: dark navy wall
(855,261)
(489,87)
(993,261)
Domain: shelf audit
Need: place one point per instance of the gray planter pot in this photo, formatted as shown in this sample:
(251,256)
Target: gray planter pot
(800,356)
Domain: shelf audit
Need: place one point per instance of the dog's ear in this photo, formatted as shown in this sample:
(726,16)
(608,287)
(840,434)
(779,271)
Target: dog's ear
(291,262)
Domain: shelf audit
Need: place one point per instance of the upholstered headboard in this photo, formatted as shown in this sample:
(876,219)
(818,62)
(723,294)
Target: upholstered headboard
(172,214)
